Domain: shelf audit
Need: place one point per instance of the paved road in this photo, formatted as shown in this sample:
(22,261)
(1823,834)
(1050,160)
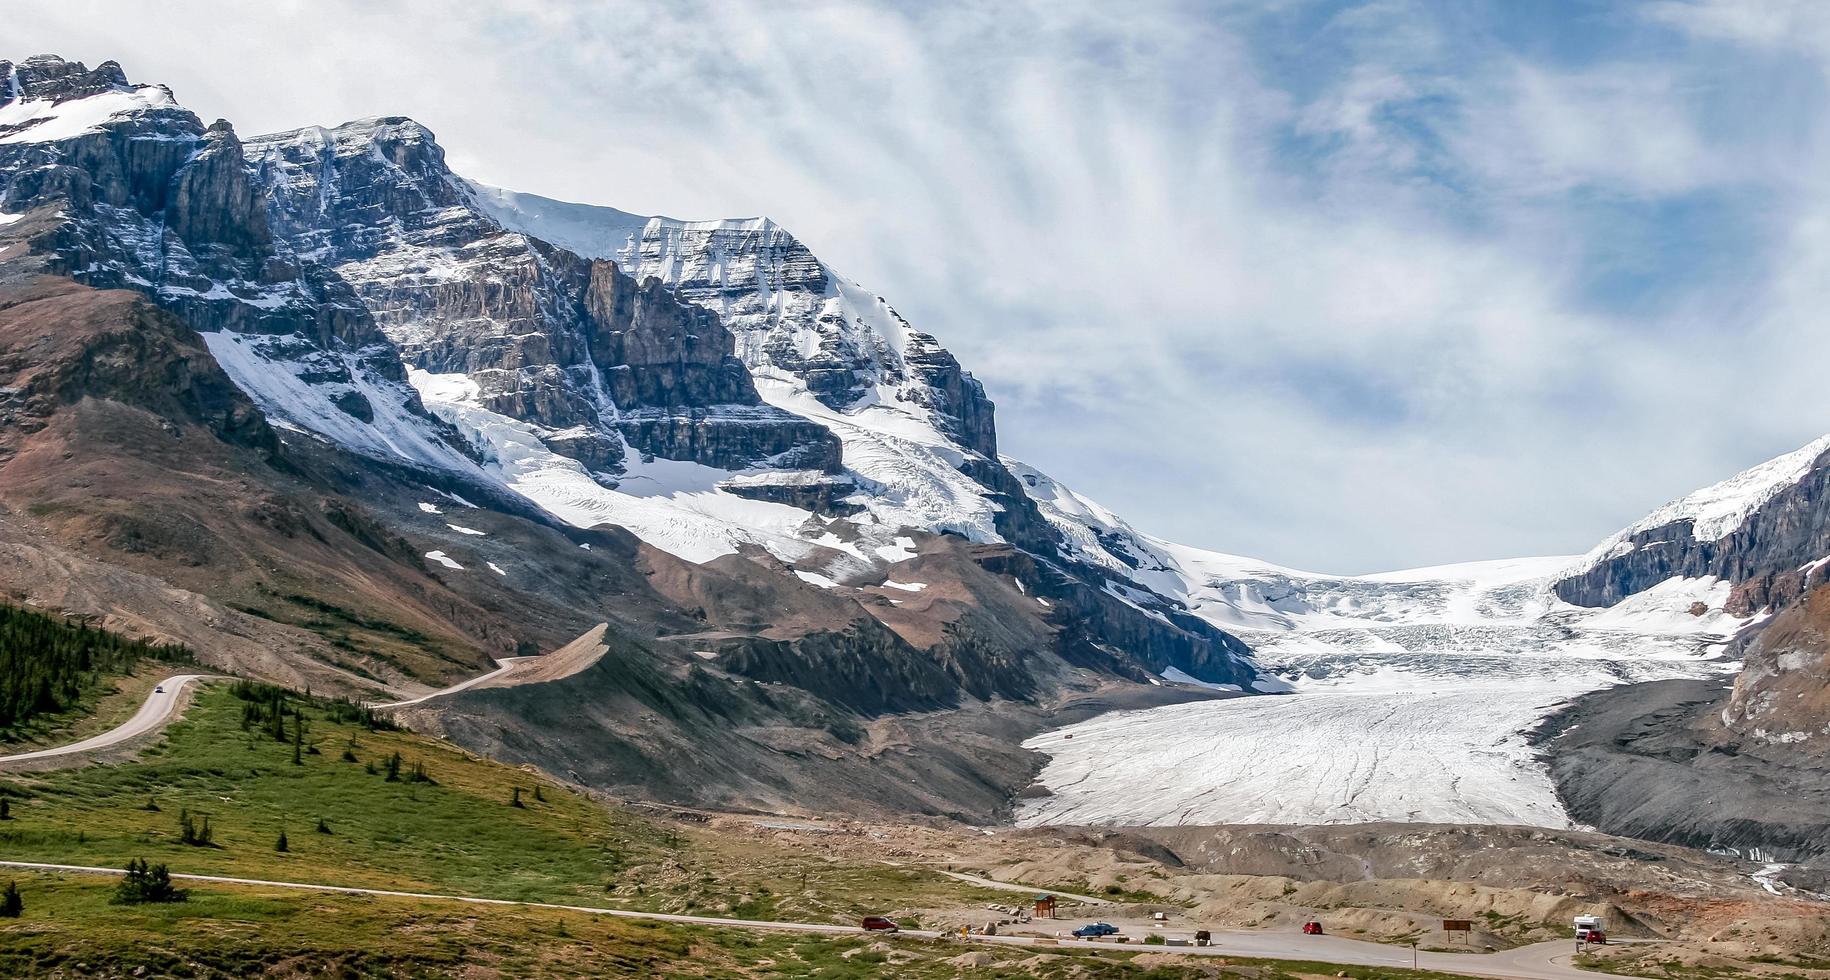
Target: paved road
(1544,961)
(502,667)
(154,714)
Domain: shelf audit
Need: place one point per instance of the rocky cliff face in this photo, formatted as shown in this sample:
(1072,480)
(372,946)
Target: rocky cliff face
(145,197)
(572,345)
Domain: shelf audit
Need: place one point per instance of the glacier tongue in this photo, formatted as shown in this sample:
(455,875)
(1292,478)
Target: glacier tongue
(1414,690)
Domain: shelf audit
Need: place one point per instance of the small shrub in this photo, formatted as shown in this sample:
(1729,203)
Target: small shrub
(323,828)
(10,902)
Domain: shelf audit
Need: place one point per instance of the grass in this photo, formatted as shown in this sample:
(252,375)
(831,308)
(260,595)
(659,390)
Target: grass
(457,834)
(236,931)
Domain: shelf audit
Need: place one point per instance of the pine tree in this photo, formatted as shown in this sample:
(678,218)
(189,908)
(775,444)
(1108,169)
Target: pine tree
(538,796)
(349,751)
(515,801)
(6,809)
(47,665)
(323,828)
(143,884)
(281,845)
(192,834)
(298,741)
(10,902)
(393,766)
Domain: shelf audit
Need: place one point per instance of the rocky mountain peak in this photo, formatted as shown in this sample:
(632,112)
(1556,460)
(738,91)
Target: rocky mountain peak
(49,77)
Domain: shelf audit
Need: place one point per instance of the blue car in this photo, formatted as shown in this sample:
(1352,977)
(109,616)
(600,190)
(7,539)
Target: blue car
(1096,930)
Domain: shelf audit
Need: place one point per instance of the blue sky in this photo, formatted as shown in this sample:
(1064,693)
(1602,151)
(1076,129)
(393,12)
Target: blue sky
(1346,286)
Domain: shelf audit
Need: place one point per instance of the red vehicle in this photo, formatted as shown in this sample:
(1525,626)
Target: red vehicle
(1595,936)
(877,923)
(1312,928)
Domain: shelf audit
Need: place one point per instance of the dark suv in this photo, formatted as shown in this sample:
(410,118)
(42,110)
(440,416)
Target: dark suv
(877,923)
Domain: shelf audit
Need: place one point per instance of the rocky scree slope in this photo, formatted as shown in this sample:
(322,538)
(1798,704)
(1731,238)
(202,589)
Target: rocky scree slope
(428,424)
(1742,769)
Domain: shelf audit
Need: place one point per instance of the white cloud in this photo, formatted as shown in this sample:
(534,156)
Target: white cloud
(1331,317)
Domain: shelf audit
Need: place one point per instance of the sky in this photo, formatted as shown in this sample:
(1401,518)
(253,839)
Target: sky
(1343,286)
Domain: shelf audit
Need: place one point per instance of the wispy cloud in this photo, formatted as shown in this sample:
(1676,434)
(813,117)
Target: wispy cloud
(1342,285)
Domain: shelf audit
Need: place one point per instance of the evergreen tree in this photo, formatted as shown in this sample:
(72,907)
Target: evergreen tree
(538,796)
(10,902)
(323,828)
(47,665)
(393,767)
(515,801)
(143,885)
(281,845)
(6,809)
(298,740)
(192,834)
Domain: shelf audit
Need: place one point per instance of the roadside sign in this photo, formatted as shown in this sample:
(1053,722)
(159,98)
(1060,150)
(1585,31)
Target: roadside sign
(1458,925)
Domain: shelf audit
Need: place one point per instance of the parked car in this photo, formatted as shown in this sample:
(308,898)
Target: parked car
(1312,928)
(877,923)
(1096,930)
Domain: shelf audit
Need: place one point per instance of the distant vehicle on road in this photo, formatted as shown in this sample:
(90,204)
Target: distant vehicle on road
(877,923)
(159,689)
(1096,930)
(1590,930)
(1312,928)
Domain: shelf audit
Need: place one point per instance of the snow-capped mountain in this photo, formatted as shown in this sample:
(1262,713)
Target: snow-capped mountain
(712,387)
(1759,529)
(810,487)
